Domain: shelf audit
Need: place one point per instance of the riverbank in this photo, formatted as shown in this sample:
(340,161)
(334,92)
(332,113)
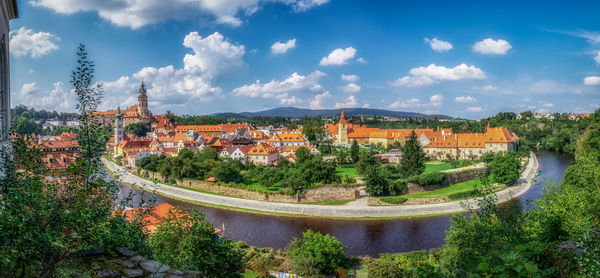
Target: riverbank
(346,211)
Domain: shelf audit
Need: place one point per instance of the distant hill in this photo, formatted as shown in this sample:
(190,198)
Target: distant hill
(294,112)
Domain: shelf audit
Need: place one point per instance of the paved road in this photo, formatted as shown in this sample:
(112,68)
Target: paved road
(350,211)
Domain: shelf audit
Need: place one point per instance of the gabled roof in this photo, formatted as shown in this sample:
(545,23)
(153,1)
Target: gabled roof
(262,149)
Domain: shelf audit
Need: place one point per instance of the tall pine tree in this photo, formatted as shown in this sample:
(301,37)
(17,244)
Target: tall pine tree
(413,158)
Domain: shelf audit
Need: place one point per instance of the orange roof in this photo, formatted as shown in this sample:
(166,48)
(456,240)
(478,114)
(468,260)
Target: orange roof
(295,148)
(288,137)
(154,217)
(262,149)
(258,135)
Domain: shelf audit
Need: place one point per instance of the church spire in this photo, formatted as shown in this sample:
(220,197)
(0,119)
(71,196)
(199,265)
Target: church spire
(343,118)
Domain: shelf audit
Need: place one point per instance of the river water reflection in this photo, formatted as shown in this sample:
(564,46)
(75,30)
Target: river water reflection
(362,237)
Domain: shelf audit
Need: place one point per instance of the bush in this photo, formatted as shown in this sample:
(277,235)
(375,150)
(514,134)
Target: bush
(461,163)
(190,242)
(396,200)
(428,178)
(505,167)
(399,187)
(377,184)
(384,268)
(316,254)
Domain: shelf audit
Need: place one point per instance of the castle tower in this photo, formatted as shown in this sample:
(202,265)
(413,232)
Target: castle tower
(119,136)
(342,136)
(143,102)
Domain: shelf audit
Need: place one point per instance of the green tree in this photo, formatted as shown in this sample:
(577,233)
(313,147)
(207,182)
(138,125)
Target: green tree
(226,171)
(315,252)
(138,129)
(505,167)
(366,161)
(355,152)
(206,154)
(377,184)
(190,242)
(302,155)
(413,158)
(88,99)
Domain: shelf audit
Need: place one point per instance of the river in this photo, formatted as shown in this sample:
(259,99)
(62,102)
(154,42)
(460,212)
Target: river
(362,237)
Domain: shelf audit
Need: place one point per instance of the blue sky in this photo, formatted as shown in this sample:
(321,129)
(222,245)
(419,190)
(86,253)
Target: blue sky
(469,59)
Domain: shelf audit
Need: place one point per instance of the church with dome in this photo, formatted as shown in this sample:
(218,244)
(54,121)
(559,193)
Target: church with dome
(134,114)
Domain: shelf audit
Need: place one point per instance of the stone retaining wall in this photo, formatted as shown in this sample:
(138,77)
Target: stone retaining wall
(325,193)
(453,176)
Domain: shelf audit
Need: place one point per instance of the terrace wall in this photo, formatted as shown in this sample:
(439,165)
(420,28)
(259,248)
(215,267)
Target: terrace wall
(325,193)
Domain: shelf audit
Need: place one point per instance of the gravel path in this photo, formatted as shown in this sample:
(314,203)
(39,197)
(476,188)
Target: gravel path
(354,209)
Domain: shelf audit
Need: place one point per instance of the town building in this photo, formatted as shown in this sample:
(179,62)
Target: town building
(133,114)
(263,154)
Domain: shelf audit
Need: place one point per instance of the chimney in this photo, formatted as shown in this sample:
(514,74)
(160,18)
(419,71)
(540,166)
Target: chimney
(475,134)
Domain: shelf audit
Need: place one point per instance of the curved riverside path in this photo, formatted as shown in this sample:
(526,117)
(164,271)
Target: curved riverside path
(355,211)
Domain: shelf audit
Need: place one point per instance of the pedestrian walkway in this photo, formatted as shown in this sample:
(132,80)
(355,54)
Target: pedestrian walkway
(355,209)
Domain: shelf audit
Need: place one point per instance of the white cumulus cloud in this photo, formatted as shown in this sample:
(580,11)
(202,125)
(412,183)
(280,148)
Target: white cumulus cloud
(350,77)
(26,42)
(465,99)
(475,109)
(349,102)
(433,106)
(319,100)
(592,80)
(597,58)
(350,88)
(281,90)
(439,45)
(280,48)
(212,57)
(338,57)
(58,98)
(491,46)
(137,13)
(423,76)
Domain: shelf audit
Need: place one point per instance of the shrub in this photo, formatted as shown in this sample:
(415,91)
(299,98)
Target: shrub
(396,200)
(384,268)
(190,242)
(315,254)
(429,178)
(399,187)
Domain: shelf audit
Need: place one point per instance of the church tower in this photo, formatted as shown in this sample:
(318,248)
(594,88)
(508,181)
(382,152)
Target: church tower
(119,136)
(342,136)
(143,102)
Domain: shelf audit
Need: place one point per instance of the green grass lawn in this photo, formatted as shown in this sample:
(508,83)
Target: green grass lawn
(346,171)
(432,166)
(462,187)
(109,158)
(250,275)
(256,186)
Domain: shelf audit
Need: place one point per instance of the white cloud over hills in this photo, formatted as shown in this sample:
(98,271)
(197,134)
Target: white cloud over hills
(280,90)
(424,76)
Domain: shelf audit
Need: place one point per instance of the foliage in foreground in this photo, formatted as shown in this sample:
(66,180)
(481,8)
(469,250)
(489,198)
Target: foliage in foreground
(190,242)
(315,254)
